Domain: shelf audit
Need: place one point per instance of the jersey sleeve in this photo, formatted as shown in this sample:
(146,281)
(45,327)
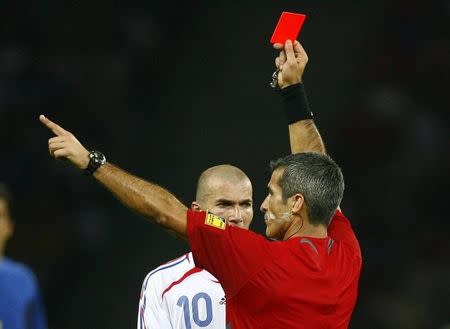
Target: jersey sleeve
(152,312)
(39,318)
(35,315)
(341,230)
(233,255)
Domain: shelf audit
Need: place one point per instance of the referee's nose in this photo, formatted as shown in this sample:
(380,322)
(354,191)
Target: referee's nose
(265,204)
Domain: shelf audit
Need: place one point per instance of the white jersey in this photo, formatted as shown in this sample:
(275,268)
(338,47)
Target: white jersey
(178,295)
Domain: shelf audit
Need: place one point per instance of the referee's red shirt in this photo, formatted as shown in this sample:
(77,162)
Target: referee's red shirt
(302,283)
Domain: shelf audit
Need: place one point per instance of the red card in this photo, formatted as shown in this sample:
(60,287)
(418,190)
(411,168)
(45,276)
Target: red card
(288,27)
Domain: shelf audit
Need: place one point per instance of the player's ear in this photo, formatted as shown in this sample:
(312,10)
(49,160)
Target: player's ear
(195,206)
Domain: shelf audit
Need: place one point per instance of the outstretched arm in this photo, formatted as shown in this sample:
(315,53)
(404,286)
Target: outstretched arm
(145,198)
(303,133)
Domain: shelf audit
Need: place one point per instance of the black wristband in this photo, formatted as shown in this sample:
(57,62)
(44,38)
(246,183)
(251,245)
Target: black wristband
(295,103)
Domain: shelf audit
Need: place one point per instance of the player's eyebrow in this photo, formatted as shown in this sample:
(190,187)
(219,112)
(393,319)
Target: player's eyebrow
(224,201)
(231,202)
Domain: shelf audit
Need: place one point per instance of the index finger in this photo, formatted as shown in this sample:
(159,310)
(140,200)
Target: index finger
(57,130)
(278,46)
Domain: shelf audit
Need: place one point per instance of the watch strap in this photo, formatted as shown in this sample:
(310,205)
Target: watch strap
(96,160)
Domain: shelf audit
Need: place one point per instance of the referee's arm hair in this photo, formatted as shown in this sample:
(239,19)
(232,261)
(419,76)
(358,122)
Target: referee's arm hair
(145,198)
(291,63)
(303,133)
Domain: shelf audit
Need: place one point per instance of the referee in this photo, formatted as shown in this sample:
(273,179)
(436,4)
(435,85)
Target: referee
(306,278)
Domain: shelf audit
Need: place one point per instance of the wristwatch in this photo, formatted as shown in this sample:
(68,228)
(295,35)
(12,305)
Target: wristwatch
(96,159)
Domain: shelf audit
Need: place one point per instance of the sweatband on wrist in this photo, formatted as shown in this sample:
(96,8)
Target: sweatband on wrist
(295,103)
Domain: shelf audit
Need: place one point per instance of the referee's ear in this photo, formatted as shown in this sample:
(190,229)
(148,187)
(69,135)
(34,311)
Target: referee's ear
(195,206)
(299,202)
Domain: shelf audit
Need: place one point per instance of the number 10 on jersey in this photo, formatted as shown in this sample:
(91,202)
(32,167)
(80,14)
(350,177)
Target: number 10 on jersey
(193,308)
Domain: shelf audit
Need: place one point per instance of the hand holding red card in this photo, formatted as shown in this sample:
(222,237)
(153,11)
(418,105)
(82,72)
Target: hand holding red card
(288,27)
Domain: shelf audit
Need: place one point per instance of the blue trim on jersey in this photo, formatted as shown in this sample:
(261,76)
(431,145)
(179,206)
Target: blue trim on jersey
(185,257)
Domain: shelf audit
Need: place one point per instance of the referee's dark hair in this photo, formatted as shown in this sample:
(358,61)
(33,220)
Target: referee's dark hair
(318,178)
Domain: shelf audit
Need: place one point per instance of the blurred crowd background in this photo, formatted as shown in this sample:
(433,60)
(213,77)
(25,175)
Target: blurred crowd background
(166,89)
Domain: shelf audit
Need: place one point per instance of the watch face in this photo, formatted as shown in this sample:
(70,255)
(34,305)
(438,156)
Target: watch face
(97,157)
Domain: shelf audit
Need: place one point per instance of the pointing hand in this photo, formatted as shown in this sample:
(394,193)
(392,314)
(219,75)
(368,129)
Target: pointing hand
(65,145)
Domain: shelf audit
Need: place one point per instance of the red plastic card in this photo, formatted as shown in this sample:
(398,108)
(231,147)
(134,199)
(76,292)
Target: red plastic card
(288,27)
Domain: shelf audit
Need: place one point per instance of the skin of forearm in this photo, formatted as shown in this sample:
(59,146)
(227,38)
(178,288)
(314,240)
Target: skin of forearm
(145,198)
(304,137)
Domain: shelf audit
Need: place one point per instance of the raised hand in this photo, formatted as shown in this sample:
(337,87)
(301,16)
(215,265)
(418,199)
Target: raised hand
(291,63)
(65,146)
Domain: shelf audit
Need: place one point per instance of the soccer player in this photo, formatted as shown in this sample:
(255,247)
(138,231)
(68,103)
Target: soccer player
(180,295)
(307,279)
(21,305)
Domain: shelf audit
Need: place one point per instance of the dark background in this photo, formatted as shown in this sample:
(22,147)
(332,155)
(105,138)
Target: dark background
(166,89)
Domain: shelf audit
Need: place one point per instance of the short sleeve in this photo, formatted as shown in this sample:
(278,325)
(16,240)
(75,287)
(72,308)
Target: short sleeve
(341,230)
(233,255)
(35,315)
(39,318)
(152,313)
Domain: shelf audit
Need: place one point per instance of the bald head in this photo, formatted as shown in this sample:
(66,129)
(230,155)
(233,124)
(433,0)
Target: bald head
(226,191)
(213,177)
